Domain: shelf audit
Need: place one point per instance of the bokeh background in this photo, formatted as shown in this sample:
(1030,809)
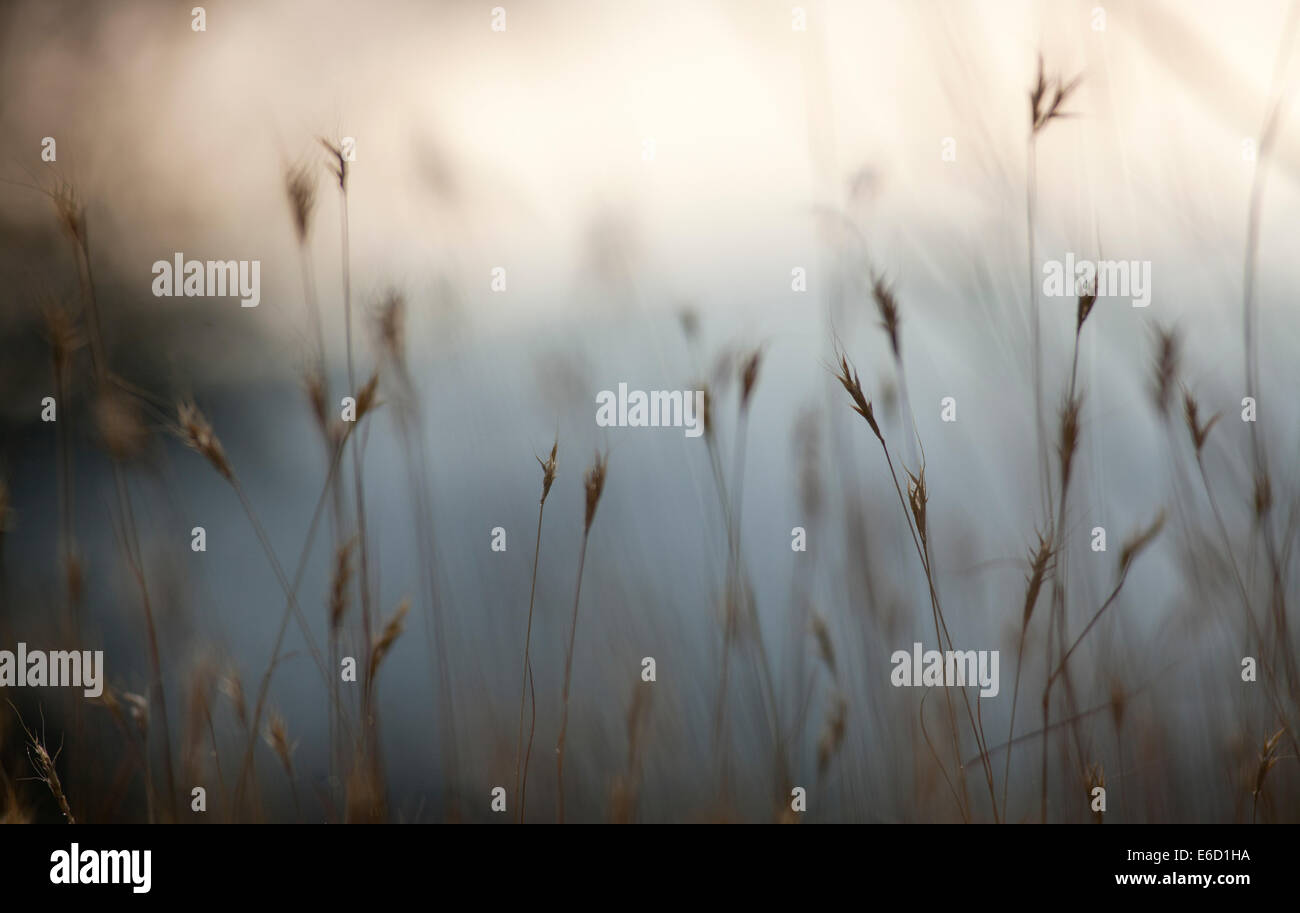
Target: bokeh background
(648,175)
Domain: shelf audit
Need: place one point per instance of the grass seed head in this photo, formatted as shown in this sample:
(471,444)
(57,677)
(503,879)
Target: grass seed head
(1069,443)
(300,187)
(1191,413)
(887,305)
(594,482)
(1086,302)
(338,165)
(367,399)
(340,582)
(71,211)
(749,376)
(848,378)
(548,470)
(198,434)
(1139,541)
(1047,98)
(392,630)
(1263,494)
(1165,370)
(277,736)
(232,687)
(121,429)
(1039,562)
(917,498)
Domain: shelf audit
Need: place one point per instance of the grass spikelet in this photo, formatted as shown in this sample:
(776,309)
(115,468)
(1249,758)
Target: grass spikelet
(384,643)
(313,382)
(138,707)
(594,482)
(300,188)
(825,646)
(848,378)
(1039,560)
(1191,413)
(1138,542)
(1047,97)
(198,435)
(887,305)
(338,165)
(71,211)
(1263,496)
(1069,443)
(832,737)
(277,737)
(1267,758)
(340,584)
(121,430)
(749,376)
(367,399)
(390,326)
(1086,301)
(232,687)
(1164,373)
(917,498)
(46,770)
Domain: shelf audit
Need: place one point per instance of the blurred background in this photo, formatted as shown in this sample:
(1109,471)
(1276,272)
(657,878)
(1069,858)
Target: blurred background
(550,199)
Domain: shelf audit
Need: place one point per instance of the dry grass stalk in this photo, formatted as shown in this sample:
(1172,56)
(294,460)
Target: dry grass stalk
(527,685)
(1039,562)
(594,483)
(46,770)
(914,506)
(626,788)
